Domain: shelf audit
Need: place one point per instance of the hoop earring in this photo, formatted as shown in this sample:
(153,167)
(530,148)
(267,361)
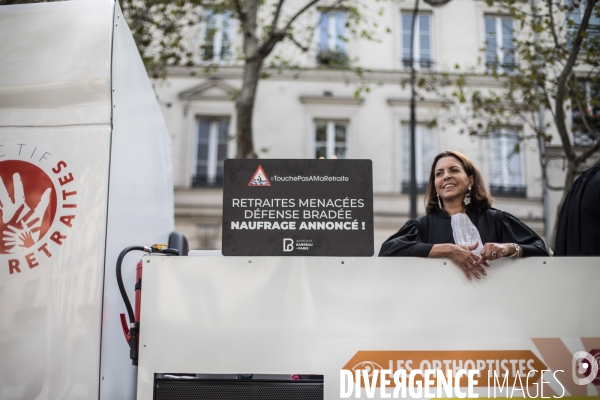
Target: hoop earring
(439,202)
(467,199)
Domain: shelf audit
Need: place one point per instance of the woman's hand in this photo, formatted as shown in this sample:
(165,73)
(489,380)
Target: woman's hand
(470,262)
(467,260)
(493,251)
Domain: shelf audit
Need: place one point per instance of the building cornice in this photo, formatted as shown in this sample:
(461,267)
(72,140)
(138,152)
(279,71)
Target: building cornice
(405,102)
(326,75)
(330,100)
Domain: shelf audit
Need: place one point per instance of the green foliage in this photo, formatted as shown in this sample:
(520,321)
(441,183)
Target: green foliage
(553,59)
(161,29)
(554,86)
(158,28)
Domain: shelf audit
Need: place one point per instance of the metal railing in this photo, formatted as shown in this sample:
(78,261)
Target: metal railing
(333,58)
(205,182)
(507,67)
(509,191)
(207,53)
(421,187)
(419,64)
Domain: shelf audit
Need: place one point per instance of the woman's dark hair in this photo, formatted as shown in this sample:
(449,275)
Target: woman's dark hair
(481,199)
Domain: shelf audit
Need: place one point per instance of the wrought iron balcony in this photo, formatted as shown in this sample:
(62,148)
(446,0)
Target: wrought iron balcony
(207,53)
(205,182)
(333,58)
(508,67)
(421,187)
(517,191)
(424,63)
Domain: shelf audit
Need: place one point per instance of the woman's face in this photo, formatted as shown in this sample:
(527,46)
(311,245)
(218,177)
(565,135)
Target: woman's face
(451,180)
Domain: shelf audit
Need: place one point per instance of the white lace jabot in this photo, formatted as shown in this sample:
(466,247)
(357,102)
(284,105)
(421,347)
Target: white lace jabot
(465,233)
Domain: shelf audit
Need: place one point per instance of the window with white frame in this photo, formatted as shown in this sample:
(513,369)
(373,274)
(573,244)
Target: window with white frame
(332,38)
(505,167)
(210,151)
(217,34)
(585,113)
(331,139)
(423,40)
(574,12)
(426,148)
(499,43)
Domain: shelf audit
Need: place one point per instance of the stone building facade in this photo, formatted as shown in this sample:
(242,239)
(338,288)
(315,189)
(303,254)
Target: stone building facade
(313,111)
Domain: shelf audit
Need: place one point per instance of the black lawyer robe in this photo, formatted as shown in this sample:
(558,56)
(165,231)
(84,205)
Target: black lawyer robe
(417,237)
(578,228)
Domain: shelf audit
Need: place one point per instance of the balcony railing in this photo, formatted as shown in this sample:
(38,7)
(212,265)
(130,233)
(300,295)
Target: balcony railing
(421,187)
(207,53)
(509,191)
(333,58)
(205,182)
(508,67)
(419,64)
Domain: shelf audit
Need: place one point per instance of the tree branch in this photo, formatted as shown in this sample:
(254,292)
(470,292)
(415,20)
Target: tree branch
(249,25)
(564,76)
(278,35)
(240,11)
(545,93)
(302,10)
(276,16)
(293,39)
(552,29)
(298,44)
(587,154)
(266,48)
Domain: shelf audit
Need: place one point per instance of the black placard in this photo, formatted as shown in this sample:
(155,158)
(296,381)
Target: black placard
(298,208)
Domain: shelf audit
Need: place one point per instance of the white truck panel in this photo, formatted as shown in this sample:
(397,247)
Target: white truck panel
(50,312)
(310,315)
(55,67)
(140,204)
(59,307)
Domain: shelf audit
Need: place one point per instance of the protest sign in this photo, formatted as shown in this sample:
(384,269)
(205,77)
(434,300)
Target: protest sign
(298,208)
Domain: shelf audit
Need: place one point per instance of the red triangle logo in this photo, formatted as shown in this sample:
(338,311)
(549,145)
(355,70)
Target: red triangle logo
(259,178)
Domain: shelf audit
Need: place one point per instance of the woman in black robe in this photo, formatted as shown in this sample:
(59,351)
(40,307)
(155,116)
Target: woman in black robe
(578,229)
(458,208)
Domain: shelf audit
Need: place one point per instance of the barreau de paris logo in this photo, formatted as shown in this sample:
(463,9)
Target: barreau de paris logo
(259,178)
(38,203)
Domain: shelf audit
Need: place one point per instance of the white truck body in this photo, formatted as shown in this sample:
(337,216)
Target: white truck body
(82,134)
(318,315)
